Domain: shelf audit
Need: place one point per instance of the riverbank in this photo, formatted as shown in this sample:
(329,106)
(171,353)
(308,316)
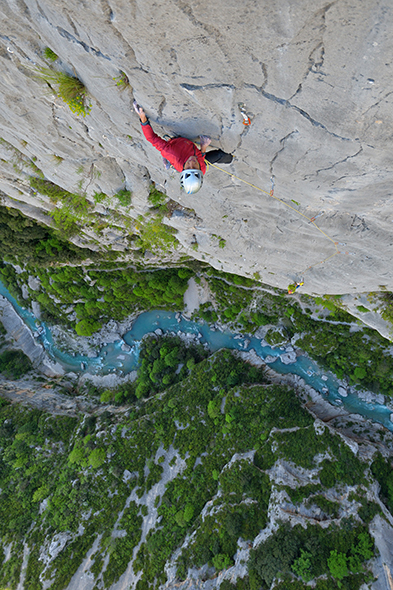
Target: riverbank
(21,337)
(111,355)
(353,425)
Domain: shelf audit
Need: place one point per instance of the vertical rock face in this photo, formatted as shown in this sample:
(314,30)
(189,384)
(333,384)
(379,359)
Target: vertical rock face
(316,81)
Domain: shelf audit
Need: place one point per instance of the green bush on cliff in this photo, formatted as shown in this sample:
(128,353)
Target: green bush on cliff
(50,54)
(124,197)
(68,88)
(72,209)
(154,235)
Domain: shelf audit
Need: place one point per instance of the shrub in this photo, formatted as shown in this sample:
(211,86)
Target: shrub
(122,81)
(338,567)
(97,458)
(222,561)
(87,327)
(156,197)
(188,512)
(68,88)
(302,565)
(124,196)
(50,54)
(106,396)
(14,364)
(77,455)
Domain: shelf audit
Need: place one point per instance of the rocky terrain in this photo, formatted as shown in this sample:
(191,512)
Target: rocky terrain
(192,488)
(316,82)
(200,470)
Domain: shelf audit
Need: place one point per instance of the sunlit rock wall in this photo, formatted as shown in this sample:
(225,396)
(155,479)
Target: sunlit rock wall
(316,78)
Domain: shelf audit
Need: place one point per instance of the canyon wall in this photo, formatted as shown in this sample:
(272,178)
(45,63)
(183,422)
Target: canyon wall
(316,81)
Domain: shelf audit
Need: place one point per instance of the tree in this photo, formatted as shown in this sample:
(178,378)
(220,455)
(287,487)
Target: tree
(97,458)
(106,396)
(233,524)
(302,566)
(337,563)
(221,561)
(188,512)
(172,359)
(214,408)
(77,455)
(360,372)
(87,327)
(360,552)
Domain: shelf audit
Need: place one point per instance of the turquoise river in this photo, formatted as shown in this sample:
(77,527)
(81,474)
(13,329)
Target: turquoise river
(111,358)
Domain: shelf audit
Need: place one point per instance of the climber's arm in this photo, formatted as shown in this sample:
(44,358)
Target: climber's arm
(152,137)
(148,132)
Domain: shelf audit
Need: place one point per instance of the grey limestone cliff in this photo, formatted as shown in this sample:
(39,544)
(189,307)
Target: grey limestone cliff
(316,81)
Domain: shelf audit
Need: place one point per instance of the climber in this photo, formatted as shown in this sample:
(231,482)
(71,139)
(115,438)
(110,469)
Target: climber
(294,287)
(183,154)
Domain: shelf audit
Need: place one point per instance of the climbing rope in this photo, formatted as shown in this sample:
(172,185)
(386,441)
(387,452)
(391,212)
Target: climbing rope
(309,220)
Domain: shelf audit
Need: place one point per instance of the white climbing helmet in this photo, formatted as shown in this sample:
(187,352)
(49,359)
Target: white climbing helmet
(191,181)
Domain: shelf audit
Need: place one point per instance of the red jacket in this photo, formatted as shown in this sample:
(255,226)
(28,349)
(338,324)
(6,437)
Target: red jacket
(176,150)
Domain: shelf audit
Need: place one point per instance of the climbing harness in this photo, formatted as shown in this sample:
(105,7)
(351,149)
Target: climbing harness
(309,220)
(246,118)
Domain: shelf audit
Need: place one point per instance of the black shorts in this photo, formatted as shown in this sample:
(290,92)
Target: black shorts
(218,157)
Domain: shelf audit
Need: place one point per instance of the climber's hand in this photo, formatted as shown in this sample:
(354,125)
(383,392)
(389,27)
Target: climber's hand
(205,141)
(139,111)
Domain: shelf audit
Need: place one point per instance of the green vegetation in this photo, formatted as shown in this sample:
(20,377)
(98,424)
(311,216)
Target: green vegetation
(313,552)
(154,235)
(14,364)
(122,81)
(382,470)
(151,232)
(156,197)
(105,294)
(301,447)
(72,208)
(102,293)
(50,55)
(362,356)
(165,361)
(202,419)
(68,88)
(21,164)
(24,240)
(387,311)
(221,241)
(124,197)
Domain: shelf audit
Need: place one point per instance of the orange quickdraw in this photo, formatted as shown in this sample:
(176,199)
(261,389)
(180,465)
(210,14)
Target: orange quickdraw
(246,118)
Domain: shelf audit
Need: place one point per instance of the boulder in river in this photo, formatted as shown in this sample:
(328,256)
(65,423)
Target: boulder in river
(270,359)
(288,358)
(342,391)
